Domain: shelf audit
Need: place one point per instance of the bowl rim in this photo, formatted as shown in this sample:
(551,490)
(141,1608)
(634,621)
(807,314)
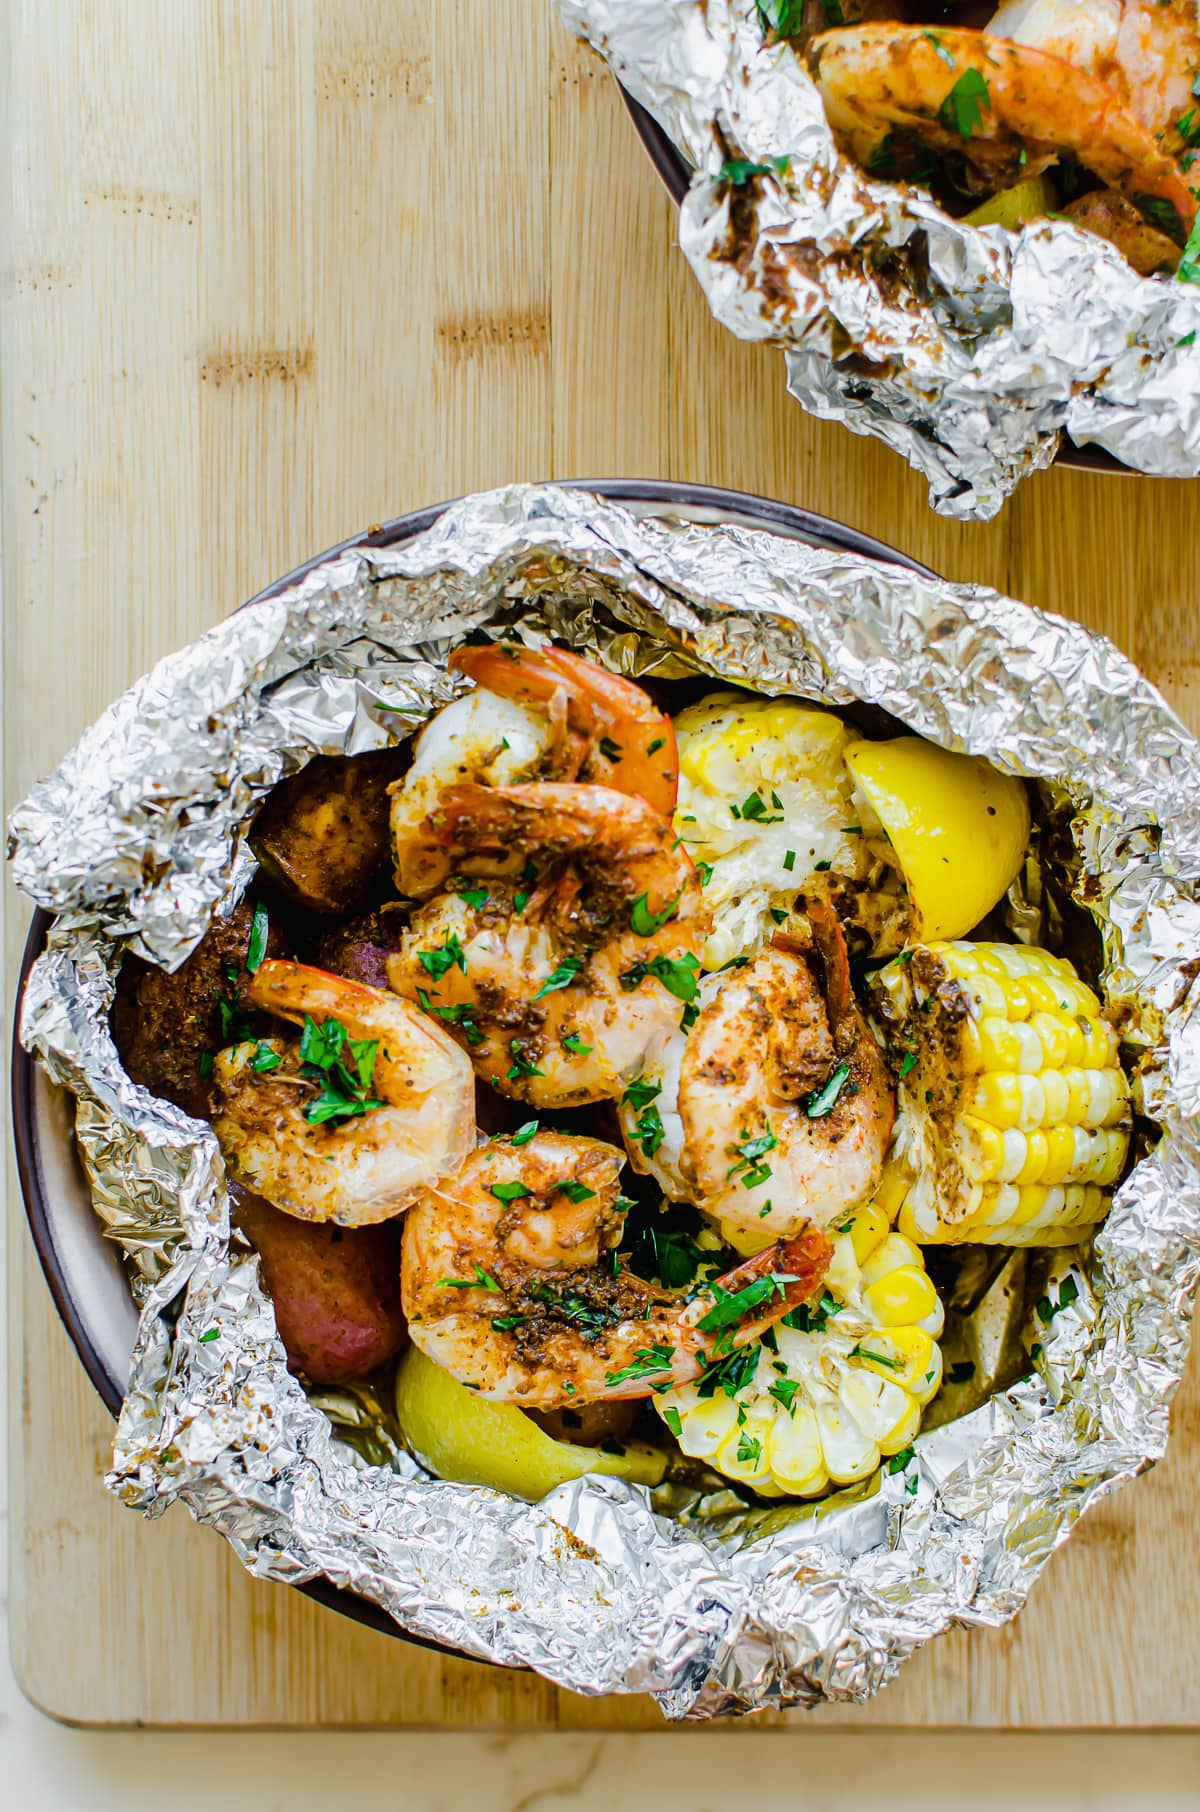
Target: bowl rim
(726,505)
(673,169)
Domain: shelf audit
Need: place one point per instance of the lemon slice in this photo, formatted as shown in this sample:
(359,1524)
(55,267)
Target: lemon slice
(959,828)
(1032,199)
(474,1441)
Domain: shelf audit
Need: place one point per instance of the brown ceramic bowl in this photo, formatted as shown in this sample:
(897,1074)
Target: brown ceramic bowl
(676,175)
(82,1267)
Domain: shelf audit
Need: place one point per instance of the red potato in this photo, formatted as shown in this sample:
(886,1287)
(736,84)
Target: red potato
(166,1027)
(322,834)
(336,1290)
(360,948)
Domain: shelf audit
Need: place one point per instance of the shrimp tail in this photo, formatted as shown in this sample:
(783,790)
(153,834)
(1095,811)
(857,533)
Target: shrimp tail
(829,942)
(633,741)
(803,1260)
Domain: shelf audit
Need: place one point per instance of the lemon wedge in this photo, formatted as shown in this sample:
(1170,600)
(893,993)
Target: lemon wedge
(1032,199)
(470,1439)
(959,829)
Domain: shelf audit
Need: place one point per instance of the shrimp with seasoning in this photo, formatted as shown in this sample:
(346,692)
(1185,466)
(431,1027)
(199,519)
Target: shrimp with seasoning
(534,714)
(776,1108)
(349,1122)
(510,1282)
(1002,111)
(559,984)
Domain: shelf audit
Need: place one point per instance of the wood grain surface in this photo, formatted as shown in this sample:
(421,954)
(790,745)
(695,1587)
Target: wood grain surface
(274,271)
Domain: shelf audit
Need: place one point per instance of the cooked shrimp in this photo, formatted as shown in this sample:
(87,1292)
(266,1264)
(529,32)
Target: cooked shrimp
(557,984)
(1002,110)
(351,1121)
(1147,51)
(509,1280)
(776,1108)
(535,714)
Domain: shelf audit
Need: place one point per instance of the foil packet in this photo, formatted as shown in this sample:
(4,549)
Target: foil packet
(970,350)
(138,839)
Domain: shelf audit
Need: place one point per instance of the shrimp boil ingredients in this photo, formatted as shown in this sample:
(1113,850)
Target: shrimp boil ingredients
(511,1281)
(352,1119)
(995,110)
(776,1108)
(1147,51)
(556,983)
(534,714)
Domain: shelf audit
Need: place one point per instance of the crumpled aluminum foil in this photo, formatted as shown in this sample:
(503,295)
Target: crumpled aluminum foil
(969,350)
(137,840)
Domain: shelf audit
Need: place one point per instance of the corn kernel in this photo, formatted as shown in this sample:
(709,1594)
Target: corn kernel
(904,1298)
(871,1222)
(981,1148)
(849,1456)
(1056,1098)
(796,1456)
(1030,1165)
(889,1255)
(1000,1099)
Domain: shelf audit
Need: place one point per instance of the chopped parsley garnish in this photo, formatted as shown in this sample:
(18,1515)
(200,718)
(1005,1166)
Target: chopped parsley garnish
(503,1324)
(524,1133)
(648,1128)
(522,1065)
(652,748)
(678,975)
(562,977)
(1190,263)
(753,809)
(908,1062)
(462,1016)
(610,750)
(475,897)
(342,1065)
(436,962)
(789,859)
(962,109)
(209,1334)
(823,1100)
(673,1421)
(235,1028)
(732,1306)
(256,949)
(1068,1292)
(573,1190)
(729,1375)
(705,871)
(574,1043)
(507,1192)
(646,1363)
(482,1280)
(784,1391)
(660,1247)
(206,1064)
(862,1352)
(809,1320)
(645,923)
(749,1449)
(265,1058)
(737,170)
(746,1166)
(899,1461)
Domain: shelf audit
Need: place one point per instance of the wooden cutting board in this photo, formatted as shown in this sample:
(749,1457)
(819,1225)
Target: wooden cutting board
(276,271)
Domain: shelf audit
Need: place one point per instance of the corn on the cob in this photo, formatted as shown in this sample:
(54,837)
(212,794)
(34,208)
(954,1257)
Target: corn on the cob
(822,1400)
(768,810)
(1013,1113)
